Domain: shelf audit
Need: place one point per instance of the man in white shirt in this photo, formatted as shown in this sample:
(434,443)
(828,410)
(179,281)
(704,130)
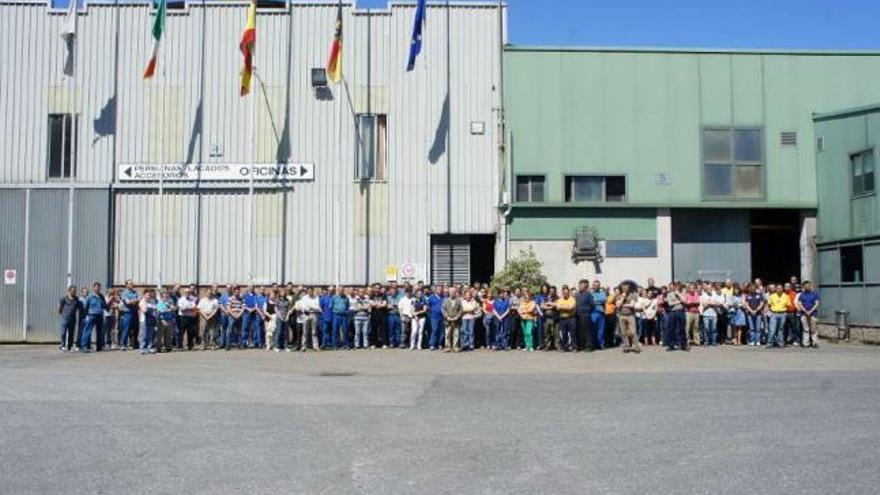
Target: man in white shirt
(407,313)
(711,301)
(209,310)
(309,307)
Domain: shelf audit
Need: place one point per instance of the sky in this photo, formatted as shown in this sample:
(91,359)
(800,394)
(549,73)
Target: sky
(805,24)
(791,24)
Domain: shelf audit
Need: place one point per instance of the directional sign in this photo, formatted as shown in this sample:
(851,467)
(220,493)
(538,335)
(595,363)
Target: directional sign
(180,172)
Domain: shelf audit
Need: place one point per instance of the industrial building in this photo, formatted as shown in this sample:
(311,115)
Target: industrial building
(849,213)
(685,164)
(608,163)
(401,167)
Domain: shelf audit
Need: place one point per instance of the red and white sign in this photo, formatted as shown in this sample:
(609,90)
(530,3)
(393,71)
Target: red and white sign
(10,276)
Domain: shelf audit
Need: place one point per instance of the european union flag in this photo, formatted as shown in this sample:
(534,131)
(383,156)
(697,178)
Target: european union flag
(415,47)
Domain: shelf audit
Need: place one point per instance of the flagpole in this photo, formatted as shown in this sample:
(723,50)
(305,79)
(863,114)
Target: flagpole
(449,121)
(250,256)
(70,104)
(338,207)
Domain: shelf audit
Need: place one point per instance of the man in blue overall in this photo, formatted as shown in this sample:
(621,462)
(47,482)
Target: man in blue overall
(95,305)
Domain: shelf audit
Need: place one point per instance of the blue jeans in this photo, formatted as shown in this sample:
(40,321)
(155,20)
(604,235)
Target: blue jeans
(231,332)
(502,333)
(340,331)
(66,330)
(361,332)
(489,327)
(128,320)
(775,333)
(224,320)
(393,330)
(148,335)
(754,321)
(251,329)
(246,323)
(326,330)
(280,334)
(92,322)
(467,334)
(597,320)
(675,330)
(793,324)
(435,339)
(710,330)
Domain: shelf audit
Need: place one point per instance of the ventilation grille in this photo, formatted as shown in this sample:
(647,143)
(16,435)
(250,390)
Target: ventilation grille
(788,138)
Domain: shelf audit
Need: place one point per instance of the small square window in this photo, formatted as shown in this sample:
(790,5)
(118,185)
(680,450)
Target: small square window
(615,189)
(733,163)
(718,180)
(583,189)
(748,181)
(595,189)
(530,188)
(747,145)
(851,264)
(716,144)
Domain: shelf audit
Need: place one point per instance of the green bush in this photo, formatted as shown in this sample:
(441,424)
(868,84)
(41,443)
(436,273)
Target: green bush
(522,271)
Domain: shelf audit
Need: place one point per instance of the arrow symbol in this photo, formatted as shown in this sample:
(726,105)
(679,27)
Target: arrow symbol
(128,171)
(302,170)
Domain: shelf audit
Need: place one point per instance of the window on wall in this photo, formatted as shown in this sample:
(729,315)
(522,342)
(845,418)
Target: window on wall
(851,264)
(530,188)
(595,188)
(372,147)
(733,163)
(862,171)
(62,145)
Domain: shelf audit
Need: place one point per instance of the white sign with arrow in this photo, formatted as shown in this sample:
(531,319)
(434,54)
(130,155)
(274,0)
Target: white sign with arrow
(187,172)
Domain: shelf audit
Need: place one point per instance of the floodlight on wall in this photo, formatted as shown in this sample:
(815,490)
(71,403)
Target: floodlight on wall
(319,78)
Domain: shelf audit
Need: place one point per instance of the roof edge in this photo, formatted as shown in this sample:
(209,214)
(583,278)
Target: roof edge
(847,112)
(691,50)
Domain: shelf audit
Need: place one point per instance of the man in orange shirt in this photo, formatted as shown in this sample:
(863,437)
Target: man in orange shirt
(792,325)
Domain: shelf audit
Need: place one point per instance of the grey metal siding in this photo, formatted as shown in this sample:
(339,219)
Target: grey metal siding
(12,230)
(47,262)
(91,237)
(829,267)
(711,245)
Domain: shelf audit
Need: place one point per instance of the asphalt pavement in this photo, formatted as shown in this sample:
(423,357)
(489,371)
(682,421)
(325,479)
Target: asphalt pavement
(712,421)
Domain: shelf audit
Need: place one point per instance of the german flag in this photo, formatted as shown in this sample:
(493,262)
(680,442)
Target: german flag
(334,65)
(247,45)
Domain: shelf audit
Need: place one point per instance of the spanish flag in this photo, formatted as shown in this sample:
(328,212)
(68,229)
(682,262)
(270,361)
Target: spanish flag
(247,45)
(158,29)
(334,65)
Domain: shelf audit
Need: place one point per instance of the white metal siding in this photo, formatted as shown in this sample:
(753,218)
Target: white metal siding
(192,106)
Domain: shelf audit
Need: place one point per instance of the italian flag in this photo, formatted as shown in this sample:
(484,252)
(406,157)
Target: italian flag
(247,44)
(158,29)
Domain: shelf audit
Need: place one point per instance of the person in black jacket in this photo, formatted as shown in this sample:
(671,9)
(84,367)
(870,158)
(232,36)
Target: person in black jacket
(584,309)
(69,309)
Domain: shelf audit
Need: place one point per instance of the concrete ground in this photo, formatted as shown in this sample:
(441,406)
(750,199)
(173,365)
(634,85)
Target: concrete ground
(714,421)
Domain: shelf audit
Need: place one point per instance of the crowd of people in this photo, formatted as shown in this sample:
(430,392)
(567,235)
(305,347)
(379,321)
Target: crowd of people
(453,318)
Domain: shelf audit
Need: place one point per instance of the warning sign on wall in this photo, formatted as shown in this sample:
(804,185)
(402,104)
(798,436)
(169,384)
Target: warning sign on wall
(10,276)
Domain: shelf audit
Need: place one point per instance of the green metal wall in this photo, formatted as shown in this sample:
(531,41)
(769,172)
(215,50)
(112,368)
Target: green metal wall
(536,223)
(844,134)
(641,112)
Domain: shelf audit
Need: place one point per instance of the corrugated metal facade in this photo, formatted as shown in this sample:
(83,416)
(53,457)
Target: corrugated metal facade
(333,228)
(12,256)
(711,245)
